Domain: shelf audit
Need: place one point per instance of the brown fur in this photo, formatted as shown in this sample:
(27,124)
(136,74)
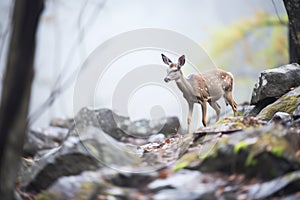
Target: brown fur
(203,87)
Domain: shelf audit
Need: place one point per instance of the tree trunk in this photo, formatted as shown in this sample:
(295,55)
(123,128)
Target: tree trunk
(293,11)
(16,91)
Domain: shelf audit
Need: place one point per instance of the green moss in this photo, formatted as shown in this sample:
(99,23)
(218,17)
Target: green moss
(240,146)
(86,190)
(204,156)
(239,122)
(277,151)
(286,103)
(277,145)
(185,160)
(180,166)
(250,161)
(42,197)
(47,196)
(232,122)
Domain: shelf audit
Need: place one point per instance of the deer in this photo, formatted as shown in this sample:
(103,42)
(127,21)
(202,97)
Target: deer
(202,88)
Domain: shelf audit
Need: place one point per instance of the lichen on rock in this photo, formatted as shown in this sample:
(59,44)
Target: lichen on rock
(287,103)
(265,152)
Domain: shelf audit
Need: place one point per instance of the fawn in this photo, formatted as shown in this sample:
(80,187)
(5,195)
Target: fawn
(201,88)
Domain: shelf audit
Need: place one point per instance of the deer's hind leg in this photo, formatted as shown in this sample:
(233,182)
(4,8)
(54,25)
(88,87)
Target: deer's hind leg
(229,100)
(203,107)
(217,108)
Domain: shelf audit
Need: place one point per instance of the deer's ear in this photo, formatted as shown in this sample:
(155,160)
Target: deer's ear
(166,60)
(181,61)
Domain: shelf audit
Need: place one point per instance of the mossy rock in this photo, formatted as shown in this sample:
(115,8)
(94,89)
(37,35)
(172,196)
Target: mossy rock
(186,160)
(240,122)
(227,125)
(47,196)
(287,103)
(89,190)
(264,152)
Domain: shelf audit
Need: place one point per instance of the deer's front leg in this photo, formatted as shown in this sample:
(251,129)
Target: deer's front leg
(203,106)
(191,108)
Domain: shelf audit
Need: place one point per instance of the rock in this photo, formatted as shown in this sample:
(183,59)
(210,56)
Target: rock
(296,113)
(104,119)
(33,144)
(178,179)
(272,84)
(89,151)
(182,194)
(247,111)
(229,125)
(185,184)
(287,103)
(264,152)
(85,186)
(255,110)
(165,153)
(62,123)
(157,138)
(146,128)
(89,185)
(43,138)
(271,188)
(133,180)
(282,118)
(296,123)
(118,126)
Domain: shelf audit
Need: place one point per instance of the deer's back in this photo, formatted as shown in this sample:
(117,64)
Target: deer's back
(218,77)
(212,83)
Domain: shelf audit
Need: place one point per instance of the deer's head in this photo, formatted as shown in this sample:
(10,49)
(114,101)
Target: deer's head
(173,71)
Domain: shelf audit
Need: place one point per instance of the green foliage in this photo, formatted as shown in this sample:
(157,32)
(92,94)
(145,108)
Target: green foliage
(262,27)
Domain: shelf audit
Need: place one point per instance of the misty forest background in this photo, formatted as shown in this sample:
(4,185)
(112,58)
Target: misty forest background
(44,43)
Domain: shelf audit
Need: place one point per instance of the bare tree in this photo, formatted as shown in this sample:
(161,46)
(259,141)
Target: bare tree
(16,91)
(293,11)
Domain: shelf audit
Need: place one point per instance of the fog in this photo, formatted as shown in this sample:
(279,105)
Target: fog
(71,31)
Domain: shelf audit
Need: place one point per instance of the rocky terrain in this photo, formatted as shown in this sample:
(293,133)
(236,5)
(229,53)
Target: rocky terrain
(100,155)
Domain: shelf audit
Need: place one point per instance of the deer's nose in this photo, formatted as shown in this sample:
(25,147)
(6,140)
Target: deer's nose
(167,79)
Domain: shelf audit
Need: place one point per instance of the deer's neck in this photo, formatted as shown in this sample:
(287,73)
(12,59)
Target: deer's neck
(186,88)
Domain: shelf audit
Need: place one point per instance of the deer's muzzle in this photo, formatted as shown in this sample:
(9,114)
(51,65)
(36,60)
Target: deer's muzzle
(167,79)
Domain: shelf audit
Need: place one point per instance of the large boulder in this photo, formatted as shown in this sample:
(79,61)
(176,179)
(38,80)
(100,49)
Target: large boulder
(264,152)
(43,138)
(90,150)
(288,183)
(88,185)
(272,84)
(119,126)
(185,184)
(146,128)
(104,119)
